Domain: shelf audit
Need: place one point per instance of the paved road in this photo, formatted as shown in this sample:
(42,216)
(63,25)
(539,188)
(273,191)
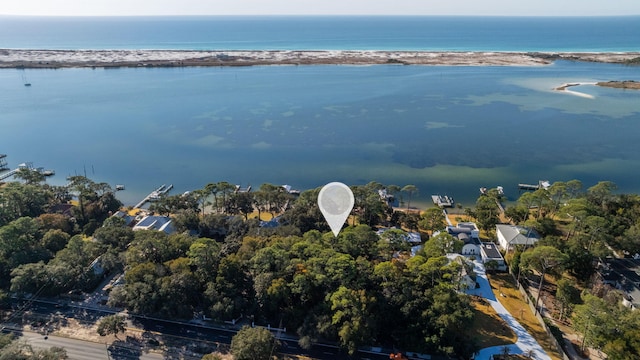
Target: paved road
(190,333)
(525,342)
(87,350)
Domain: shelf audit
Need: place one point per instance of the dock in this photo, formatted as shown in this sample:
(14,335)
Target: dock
(28,165)
(542,184)
(154,195)
(442,201)
(8,174)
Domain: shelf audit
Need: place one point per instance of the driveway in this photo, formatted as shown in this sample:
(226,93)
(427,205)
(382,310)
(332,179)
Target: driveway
(525,343)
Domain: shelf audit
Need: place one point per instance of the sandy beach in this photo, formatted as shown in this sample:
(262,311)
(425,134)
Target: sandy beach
(627,84)
(15,58)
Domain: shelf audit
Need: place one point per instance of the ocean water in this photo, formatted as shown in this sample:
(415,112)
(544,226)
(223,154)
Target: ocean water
(448,130)
(324,32)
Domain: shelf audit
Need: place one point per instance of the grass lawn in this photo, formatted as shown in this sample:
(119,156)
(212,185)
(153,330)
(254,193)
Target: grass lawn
(502,283)
(488,327)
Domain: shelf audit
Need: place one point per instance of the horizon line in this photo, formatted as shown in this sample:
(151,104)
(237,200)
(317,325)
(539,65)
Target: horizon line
(321,15)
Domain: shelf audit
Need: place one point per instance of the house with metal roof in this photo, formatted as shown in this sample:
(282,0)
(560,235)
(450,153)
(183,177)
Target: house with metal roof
(159,223)
(512,235)
(624,275)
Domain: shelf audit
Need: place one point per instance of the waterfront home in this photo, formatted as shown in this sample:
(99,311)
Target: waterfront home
(469,234)
(510,236)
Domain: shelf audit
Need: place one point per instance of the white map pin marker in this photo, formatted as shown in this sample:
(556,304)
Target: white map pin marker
(335,201)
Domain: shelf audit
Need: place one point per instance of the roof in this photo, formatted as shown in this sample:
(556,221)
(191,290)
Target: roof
(518,235)
(160,223)
(491,250)
(624,274)
(410,236)
(468,228)
(128,219)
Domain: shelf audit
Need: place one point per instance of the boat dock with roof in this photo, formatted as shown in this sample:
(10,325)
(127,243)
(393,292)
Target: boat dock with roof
(442,201)
(542,184)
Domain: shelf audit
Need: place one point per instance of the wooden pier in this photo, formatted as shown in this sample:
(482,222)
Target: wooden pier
(28,166)
(154,195)
(542,184)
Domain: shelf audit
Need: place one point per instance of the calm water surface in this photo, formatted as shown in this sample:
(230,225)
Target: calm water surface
(324,32)
(448,130)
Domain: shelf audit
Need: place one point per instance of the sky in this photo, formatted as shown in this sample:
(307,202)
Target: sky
(321,7)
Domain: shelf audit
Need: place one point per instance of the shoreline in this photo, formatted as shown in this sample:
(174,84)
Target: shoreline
(626,84)
(56,59)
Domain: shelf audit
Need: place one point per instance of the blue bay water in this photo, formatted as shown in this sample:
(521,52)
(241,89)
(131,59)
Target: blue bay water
(448,130)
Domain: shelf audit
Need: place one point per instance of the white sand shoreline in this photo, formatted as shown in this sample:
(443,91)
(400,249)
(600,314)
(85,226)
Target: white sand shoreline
(28,58)
(565,88)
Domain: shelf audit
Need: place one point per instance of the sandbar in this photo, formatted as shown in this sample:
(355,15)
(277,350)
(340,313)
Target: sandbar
(25,58)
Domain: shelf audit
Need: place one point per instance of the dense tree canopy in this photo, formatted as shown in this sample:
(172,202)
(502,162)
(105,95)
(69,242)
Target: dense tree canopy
(253,344)
(355,289)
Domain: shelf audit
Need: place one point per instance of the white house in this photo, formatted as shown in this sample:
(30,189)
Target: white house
(468,233)
(511,235)
(490,252)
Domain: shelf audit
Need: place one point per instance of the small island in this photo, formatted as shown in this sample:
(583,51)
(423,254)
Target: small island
(626,84)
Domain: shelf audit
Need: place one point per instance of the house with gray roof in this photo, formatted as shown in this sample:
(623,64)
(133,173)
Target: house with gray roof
(159,223)
(469,234)
(512,235)
(624,275)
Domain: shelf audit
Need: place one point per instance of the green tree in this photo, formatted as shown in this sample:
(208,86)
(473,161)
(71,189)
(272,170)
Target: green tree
(111,324)
(55,240)
(114,235)
(517,213)
(18,200)
(442,244)
(305,213)
(543,259)
(593,319)
(350,315)
(568,295)
(20,242)
(487,213)
(391,241)
(601,194)
(253,344)
(240,203)
(30,176)
(432,219)
(410,190)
